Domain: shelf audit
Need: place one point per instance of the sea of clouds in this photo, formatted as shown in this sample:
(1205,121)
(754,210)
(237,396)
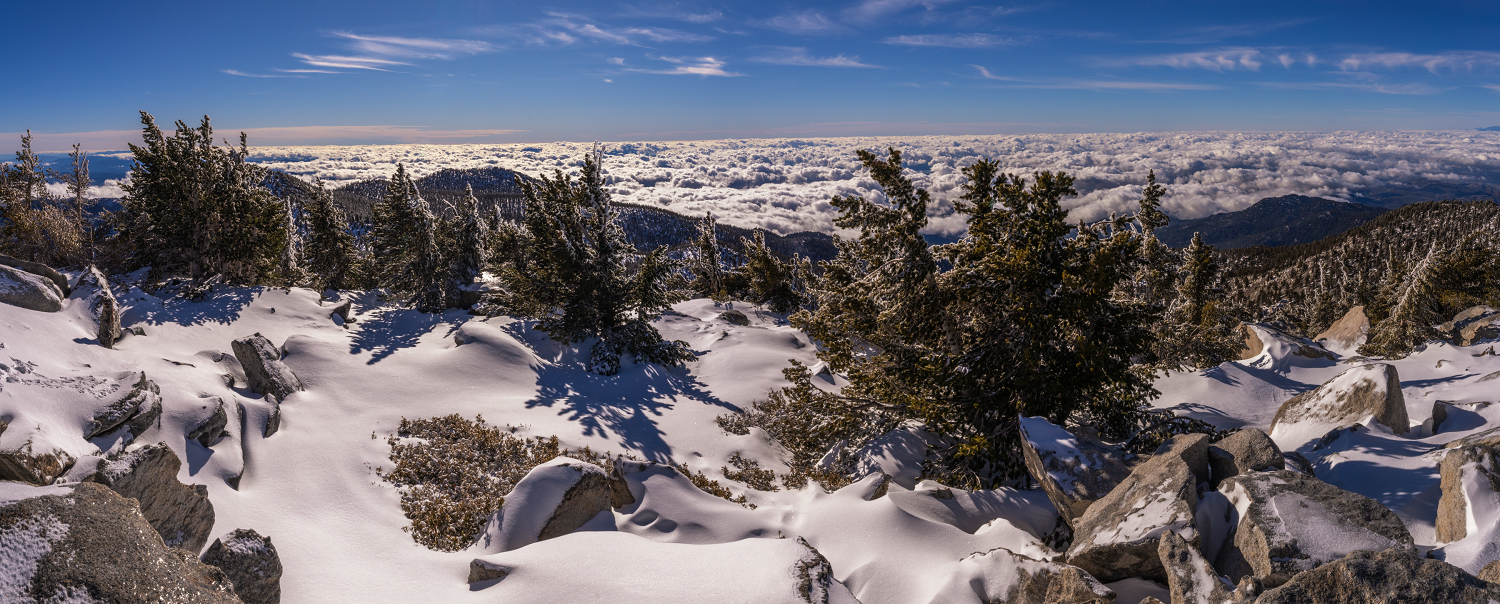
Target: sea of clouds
(785,184)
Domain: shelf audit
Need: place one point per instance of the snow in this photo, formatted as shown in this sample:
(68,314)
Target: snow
(1319,533)
(531,503)
(22,546)
(1481,543)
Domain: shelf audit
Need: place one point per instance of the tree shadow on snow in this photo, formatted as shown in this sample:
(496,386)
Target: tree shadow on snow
(223,305)
(622,407)
(388,329)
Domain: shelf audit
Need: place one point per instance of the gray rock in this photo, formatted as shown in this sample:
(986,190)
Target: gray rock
(33,462)
(480,570)
(139,409)
(1390,577)
(619,490)
(584,500)
(1480,459)
(273,420)
(552,500)
(41,270)
(28,291)
(1349,332)
(212,429)
(1074,471)
(1118,537)
(1001,575)
(1192,449)
(93,288)
(251,563)
(92,545)
(1299,346)
(264,371)
(1352,397)
(1293,523)
(181,514)
(735,316)
(1472,326)
(1191,579)
(1247,450)
(1491,572)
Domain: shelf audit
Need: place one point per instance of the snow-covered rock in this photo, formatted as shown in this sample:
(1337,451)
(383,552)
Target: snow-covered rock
(1472,326)
(139,410)
(85,543)
(1189,576)
(1468,513)
(1248,450)
(34,459)
(1118,536)
(1393,576)
(181,514)
(1001,575)
(1287,523)
(1074,471)
(1192,449)
(251,563)
(41,270)
(552,500)
(1347,334)
(25,290)
(1264,339)
(93,289)
(264,371)
(1358,395)
(210,429)
(735,316)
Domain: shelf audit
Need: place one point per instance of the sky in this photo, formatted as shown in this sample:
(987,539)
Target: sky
(313,73)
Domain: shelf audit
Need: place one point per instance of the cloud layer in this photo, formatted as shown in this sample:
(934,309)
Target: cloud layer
(785,184)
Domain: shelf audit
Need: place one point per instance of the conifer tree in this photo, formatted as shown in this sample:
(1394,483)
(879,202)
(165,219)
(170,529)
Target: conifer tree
(1197,332)
(408,260)
(194,207)
(468,255)
(1413,312)
(576,285)
(331,255)
(707,265)
(771,279)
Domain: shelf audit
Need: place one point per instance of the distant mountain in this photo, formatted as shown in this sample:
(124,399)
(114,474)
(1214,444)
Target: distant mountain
(1489,129)
(1272,222)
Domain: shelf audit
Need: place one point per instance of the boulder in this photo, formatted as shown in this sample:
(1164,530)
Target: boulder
(181,514)
(1467,472)
(1472,326)
(735,316)
(41,270)
(553,499)
(1074,471)
(140,409)
(28,291)
(1390,577)
(1287,523)
(1001,575)
(344,312)
(1192,449)
(264,371)
(93,288)
(1192,579)
(1256,337)
(251,563)
(211,429)
(1491,572)
(1244,451)
(34,462)
(1118,536)
(1348,333)
(92,545)
(1358,395)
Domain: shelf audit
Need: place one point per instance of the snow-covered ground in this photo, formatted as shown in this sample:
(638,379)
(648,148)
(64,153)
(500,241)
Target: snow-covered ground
(312,486)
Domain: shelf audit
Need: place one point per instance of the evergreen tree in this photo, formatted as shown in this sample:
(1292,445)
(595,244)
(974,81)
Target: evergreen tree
(1413,312)
(194,207)
(408,260)
(1197,333)
(771,279)
(331,255)
(706,266)
(34,225)
(470,237)
(1024,321)
(576,285)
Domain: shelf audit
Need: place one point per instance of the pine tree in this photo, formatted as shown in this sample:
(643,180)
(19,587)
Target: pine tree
(194,207)
(771,279)
(707,265)
(471,234)
(408,260)
(1413,312)
(330,252)
(576,285)
(34,225)
(1196,331)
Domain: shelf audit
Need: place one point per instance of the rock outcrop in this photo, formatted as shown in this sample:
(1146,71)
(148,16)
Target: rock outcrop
(251,563)
(181,514)
(1472,326)
(28,291)
(211,429)
(264,371)
(552,500)
(32,461)
(1247,450)
(1467,471)
(1360,394)
(1118,536)
(93,288)
(1255,342)
(1491,572)
(1290,523)
(1001,575)
(1348,333)
(1393,576)
(92,545)
(1190,578)
(41,270)
(735,316)
(140,409)
(1074,471)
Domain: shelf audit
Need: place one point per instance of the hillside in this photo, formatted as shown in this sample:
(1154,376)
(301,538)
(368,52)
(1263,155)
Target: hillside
(1272,222)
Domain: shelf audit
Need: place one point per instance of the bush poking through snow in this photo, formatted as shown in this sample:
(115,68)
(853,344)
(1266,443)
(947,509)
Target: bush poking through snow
(712,487)
(749,472)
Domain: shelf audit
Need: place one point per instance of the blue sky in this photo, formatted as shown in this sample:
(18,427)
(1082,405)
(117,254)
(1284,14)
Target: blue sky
(450,72)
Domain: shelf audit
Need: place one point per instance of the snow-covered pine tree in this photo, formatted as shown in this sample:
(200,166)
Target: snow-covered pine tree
(408,260)
(770,278)
(1413,312)
(468,255)
(330,253)
(1197,331)
(575,283)
(707,265)
(193,207)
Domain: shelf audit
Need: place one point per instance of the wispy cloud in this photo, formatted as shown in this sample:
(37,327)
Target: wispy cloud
(1218,33)
(415,48)
(675,13)
(871,10)
(348,62)
(786,55)
(1089,84)
(698,66)
(1451,61)
(1221,60)
(1407,89)
(236,72)
(567,28)
(953,40)
(804,22)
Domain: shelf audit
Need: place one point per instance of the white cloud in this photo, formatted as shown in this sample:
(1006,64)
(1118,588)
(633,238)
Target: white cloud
(1435,63)
(615,61)
(699,66)
(348,62)
(786,55)
(583,28)
(785,184)
(416,48)
(805,22)
(953,40)
(236,72)
(1227,59)
(1085,84)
